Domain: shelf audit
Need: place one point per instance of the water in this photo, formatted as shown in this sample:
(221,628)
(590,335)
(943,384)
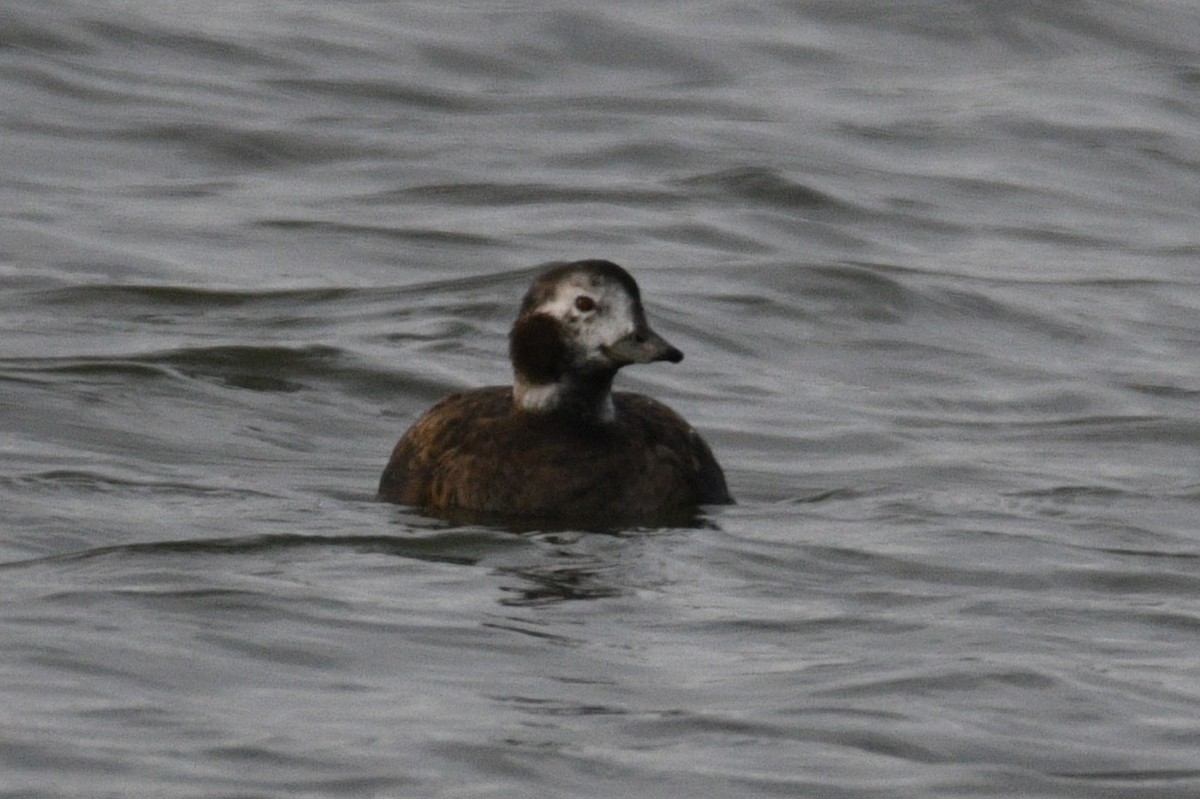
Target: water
(934,267)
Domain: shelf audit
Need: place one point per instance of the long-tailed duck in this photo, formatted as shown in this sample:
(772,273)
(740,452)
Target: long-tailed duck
(559,444)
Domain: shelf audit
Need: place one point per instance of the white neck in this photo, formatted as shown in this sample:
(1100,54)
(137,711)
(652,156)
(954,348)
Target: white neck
(544,397)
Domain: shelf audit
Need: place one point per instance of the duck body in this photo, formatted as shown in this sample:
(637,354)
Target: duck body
(478,451)
(559,443)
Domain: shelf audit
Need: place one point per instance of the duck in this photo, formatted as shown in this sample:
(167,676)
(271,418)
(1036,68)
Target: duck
(559,443)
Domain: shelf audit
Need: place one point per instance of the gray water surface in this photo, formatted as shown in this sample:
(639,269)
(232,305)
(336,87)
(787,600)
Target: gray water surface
(935,270)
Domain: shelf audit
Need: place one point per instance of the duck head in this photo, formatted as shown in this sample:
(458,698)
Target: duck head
(578,325)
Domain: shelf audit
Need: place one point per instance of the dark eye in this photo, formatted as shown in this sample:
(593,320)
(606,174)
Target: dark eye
(585,303)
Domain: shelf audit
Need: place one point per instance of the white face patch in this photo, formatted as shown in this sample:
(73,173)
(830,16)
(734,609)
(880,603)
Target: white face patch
(610,319)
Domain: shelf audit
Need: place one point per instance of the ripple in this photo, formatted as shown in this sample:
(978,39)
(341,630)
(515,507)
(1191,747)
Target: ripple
(763,186)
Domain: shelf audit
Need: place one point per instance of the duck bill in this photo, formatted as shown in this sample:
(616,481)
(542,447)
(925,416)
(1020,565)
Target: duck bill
(643,346)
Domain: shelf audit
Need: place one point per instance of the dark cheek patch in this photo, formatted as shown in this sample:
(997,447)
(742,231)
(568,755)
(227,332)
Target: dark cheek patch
(537,349)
